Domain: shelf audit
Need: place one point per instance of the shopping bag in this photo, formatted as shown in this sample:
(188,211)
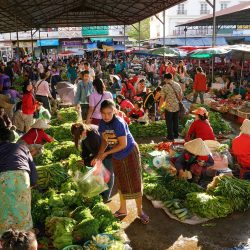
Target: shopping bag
(94,181)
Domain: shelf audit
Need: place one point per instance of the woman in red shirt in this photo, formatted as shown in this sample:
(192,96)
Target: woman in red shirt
(200,85)
(28,106)
(37,135)
(201,127)
(137,111)
(128,90)
(241,145)
(126,105)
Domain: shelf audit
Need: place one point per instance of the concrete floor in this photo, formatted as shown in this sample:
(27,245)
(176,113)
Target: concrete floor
(162,232)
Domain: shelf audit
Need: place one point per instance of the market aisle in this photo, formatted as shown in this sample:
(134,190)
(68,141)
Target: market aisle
(162,232)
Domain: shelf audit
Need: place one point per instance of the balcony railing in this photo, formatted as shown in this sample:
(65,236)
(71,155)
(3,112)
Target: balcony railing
(204,12)
(181,12)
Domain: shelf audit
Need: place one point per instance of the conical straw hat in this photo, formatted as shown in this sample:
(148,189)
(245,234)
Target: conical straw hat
(197,147)
(40,124)
(245,128)
(212,145)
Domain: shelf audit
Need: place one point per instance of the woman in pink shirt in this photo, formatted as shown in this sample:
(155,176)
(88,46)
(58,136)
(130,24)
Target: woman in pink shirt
(126,105)
(95,100)
(42,91)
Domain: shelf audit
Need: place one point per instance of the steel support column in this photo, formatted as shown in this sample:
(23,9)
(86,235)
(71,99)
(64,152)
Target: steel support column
(124,37)
(17,39)
(40,47)
(32,46)
(164,31)
(139,35)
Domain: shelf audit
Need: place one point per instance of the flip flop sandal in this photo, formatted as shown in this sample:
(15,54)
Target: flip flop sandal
(144,219)
(117,214)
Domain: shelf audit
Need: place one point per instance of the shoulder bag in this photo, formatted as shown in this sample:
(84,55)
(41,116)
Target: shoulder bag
(183,110)
(96,106)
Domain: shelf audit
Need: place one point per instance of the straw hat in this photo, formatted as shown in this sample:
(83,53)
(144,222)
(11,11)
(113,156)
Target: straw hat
(40,124)
(212,145)
(245,128)
(197,147)
(200,111)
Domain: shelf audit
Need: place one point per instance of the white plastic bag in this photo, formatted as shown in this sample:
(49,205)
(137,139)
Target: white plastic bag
(94,181)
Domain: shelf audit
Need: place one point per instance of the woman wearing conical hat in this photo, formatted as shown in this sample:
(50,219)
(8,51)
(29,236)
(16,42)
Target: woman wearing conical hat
(195,158)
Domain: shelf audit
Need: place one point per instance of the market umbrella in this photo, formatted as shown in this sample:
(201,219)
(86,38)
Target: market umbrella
(208,53)
(240,52)
(166,52)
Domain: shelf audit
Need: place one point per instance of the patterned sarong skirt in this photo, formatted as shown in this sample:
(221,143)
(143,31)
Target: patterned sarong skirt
(128,176)
(15,201)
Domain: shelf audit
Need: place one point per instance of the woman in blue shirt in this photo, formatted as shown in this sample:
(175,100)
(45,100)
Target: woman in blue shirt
(126,158)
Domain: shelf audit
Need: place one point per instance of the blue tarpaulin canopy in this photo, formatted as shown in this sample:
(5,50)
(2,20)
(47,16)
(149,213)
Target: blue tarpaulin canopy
(91,46)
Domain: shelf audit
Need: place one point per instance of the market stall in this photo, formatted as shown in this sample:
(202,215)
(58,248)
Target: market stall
(185,201)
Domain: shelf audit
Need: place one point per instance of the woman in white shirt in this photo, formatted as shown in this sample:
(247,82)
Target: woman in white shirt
(95,100)
(42,91)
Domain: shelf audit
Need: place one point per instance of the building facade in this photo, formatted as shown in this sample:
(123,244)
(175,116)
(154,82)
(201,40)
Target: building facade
(55,40)
(187,11)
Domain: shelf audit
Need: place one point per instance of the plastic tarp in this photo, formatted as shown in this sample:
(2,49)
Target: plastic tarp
(66,91)
(91,46)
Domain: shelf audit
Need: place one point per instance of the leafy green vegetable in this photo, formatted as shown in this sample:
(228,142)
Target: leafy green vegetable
(63,150)
(61,132)
(45,158)
(238,191)
(51,176)
(84,230)
(40,208)
(218,124)
(105,218)
(152,129)
(182,187)
(60,229)
(66,115)
(208,206)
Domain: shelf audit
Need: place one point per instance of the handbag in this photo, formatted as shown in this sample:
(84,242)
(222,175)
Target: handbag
(182,109)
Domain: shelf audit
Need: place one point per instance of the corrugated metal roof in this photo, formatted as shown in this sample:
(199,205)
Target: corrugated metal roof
(29,14)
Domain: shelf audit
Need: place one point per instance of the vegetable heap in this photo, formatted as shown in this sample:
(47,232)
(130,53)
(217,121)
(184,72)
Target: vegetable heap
(208,206)
(147,130)
(238,191)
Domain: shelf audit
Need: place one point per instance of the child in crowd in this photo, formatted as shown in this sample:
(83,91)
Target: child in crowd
(137,111)
(17,240)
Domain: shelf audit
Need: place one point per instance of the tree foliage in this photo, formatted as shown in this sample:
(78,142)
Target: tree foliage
(145,30)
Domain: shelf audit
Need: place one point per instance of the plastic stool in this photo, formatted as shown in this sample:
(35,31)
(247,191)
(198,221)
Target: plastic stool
(244,171)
